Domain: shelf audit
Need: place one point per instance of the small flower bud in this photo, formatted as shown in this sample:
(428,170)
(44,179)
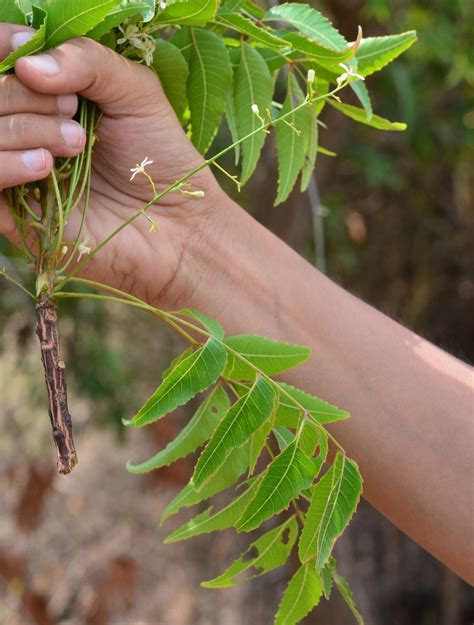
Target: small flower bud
(64,250)
(311,76)
(255,109)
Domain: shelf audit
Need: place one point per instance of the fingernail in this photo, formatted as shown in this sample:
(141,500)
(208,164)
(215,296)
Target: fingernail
(34,159)
(67,104)
(45,63)
(73,134)
(19,39)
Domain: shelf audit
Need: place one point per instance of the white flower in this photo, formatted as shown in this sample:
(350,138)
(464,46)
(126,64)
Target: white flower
(83,249)
(349,73)
(311,76)
(163,6)
(255,109)
(140,169)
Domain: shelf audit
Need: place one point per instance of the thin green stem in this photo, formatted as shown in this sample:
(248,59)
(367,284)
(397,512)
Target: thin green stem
(18,284)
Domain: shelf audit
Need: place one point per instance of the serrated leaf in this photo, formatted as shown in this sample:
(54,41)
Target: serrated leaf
(326,577)
(211,325)
(359,115)
(10,13)
(209,83)
(246,26)
(322,55)
(263,555)
(197,431)
(308,21)
(172,69)
(288,411)
(311,150)
(346,593)
(188,12)
(74,18)
(258,440)
(374,53)
(285,477)
(359,88)
(335,498)
(273,59)
(34,45)
(236,464)
(291,138)
(244,418)
(117,17)
(191,376)
(302,594)
(271,357)
(253,84)
(207,522)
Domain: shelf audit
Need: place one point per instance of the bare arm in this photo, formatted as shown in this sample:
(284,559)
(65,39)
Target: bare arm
(412,428)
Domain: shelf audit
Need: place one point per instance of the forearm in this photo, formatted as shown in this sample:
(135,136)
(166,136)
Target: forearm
(411,428)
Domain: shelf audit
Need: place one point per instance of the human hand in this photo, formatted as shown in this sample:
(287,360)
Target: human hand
(36,106)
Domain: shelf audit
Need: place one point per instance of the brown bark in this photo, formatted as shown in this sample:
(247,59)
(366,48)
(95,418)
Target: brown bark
(48,334)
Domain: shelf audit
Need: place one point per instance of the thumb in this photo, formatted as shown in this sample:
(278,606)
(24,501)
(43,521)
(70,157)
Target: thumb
(118,85)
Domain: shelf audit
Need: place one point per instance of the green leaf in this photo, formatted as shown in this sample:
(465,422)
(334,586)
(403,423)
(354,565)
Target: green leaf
(206,522)
(257,442)
(311,150)
(117,18)
(326,577)
(359,115)
(245,417)
(374,53)
(288,411)
(235,465)
(232,123)
(335,498)
(302,594)
(253,84)
(263,555)
(10,13)
(308,21)
(209,83)
(34,45)
(246,26)
(74,18)
(359,88)
(197,431)
(343,588)
(285,477)
(291,140)
(211,325)
(188,12)
(271,357)
(172,70)
(190,376)
(318,53)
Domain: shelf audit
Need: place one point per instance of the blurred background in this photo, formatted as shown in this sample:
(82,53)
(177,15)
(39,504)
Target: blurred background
(394,224)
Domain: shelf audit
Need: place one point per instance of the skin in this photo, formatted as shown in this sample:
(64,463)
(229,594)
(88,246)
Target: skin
(411,429)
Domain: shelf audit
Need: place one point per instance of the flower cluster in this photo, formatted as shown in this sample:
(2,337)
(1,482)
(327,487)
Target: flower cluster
(140,40)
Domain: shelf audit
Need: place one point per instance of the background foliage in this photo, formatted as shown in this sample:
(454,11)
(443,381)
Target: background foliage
(398,229)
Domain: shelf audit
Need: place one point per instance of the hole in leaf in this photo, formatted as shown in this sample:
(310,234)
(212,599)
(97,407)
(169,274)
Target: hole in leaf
(214,409)
(285,537)
(250,554)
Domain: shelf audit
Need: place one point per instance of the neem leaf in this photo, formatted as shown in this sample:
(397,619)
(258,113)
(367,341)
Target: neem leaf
(374,53)
(34,45)
(343,588)
(197,431)
(335,498)
(10,13)
(74,18)
(285,477)
(188,12)
(253,85)
(359,115)
(172,69)
(271,357)
(206,522)
(288,411)
(246,26)
(308,21)
(245,417)
(117,17)
(263,555)
(360,89)
(302,594)
(191,375)
(210,80)
(291,140)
